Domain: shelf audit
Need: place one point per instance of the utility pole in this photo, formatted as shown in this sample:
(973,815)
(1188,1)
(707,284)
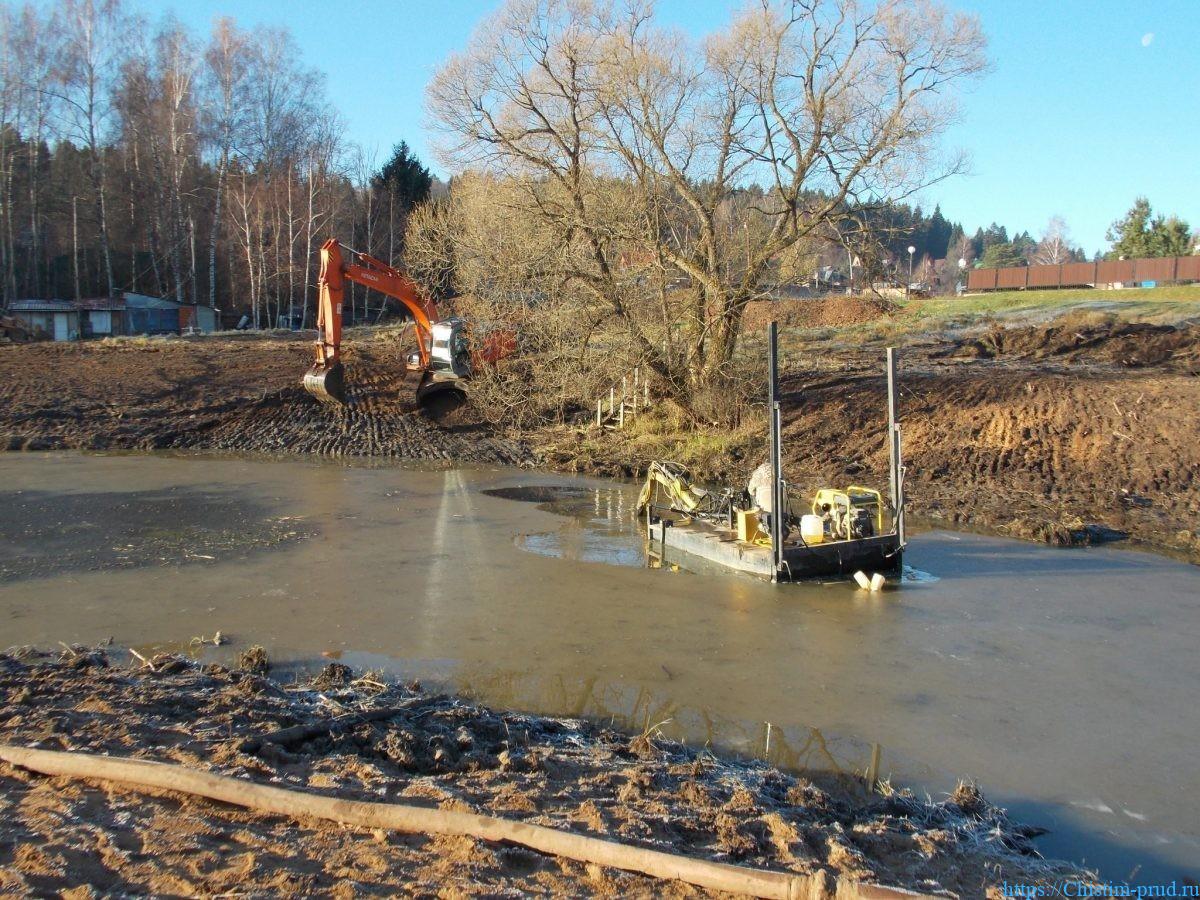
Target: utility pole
(908,284)
(75,243)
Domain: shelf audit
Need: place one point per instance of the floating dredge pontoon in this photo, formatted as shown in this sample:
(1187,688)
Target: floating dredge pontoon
(847,531)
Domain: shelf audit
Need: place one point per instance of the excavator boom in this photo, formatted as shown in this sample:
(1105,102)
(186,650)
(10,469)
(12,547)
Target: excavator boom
(325,380)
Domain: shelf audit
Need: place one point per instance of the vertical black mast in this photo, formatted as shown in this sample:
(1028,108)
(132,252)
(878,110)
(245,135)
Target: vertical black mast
(778,491)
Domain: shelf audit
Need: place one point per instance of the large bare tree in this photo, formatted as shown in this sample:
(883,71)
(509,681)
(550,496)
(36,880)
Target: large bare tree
(701,164)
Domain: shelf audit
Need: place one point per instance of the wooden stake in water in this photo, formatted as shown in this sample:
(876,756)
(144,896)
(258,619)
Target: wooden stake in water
(873,768)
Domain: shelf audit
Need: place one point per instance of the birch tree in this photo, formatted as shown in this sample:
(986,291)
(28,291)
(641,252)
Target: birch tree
(1055,246)
(226,87)
(92,34)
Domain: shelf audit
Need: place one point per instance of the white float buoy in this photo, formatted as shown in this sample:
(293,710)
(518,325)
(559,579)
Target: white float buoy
(863,581)
(877,582)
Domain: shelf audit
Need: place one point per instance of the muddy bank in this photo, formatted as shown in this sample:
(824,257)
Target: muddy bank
(1076,430)
(219,394)
(436,751)
(1067,433)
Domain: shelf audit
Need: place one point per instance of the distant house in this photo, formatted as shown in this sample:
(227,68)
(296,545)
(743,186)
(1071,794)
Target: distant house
(57,320)
(97,317)
(159,315)
(101,317)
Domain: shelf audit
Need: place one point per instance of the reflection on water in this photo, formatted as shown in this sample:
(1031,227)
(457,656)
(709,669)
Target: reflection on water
(599,523)
(582,545)
(1064,681)
(636,709)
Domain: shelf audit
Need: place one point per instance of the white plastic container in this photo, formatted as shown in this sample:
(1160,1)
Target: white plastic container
(812,529)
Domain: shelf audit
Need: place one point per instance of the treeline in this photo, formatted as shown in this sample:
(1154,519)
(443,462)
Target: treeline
(144,157)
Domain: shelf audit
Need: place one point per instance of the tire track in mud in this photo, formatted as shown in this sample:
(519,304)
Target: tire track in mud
(238,397)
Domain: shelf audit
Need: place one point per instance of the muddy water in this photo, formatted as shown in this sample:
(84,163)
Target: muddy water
(1063,681)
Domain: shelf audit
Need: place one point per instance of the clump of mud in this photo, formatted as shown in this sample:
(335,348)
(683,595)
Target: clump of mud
(413,747)
(1102,339)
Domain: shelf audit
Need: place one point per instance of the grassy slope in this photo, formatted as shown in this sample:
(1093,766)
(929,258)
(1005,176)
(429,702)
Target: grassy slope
(917,318)
(1134,303)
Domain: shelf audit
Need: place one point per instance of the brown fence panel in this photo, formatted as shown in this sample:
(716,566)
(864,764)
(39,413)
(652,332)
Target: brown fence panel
(1114,270)
(1162,269)
(1012,277)
(981,279)
(1189,269)
(1078,274)
(1045,276)
(1127,271)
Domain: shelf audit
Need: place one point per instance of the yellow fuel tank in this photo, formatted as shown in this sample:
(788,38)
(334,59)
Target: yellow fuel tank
(747,525)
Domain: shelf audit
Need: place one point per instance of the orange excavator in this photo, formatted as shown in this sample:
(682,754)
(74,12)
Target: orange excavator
(444,357)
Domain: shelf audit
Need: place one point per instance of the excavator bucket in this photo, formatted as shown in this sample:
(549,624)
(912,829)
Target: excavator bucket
(326,382)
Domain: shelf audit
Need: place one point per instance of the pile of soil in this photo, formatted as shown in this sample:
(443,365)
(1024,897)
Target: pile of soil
(59,834)
(818,312)
(1132,345)
(1056,458)
(238,395)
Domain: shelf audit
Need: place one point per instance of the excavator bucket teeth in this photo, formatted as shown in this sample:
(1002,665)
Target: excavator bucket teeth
(326,383)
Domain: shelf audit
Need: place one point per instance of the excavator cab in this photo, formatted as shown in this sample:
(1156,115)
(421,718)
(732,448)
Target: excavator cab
(448,367)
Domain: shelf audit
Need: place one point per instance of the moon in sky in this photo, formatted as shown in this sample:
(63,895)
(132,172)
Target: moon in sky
(1147,38)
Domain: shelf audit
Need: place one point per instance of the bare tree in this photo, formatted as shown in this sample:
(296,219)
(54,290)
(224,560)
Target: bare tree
(157,102)
(1055,246)
(226,76)
(93,33)
(636,146)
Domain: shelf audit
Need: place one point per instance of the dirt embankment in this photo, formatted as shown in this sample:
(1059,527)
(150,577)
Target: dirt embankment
(225,395)
(437,751)
(1066,433)
(1127,345)
(1061,432)
(1058,458)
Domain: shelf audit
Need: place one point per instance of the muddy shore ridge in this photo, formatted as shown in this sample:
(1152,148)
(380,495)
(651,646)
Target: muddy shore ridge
(1067,432)
(436,751)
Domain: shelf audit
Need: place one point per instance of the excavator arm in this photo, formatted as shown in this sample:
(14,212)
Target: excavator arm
(326,379)
(672,479)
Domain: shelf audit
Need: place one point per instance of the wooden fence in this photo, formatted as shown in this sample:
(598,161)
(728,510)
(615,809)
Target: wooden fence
(1124,271)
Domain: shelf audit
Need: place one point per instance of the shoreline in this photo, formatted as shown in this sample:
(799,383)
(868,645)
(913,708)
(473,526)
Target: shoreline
(444,751)
(1062,433)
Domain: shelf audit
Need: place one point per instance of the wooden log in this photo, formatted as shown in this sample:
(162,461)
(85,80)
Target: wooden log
(715,876)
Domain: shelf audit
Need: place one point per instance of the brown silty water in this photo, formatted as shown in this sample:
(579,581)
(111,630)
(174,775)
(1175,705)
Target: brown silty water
(1062,680)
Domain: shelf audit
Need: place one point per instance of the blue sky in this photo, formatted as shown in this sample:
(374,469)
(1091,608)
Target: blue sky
(1088,102)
